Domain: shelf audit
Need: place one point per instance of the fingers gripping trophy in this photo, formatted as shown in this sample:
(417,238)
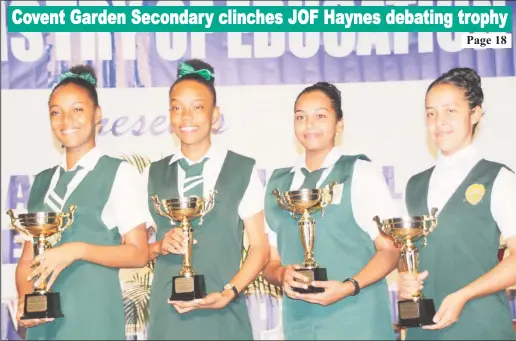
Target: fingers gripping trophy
(301,204)
(45,229)
(404,232)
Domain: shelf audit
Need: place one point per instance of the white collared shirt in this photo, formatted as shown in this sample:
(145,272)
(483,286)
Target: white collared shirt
(126,206)
(370,195)
(450,171)
(252,201)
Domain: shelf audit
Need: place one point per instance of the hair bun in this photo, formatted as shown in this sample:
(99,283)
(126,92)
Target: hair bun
(198,65)
(468,74)
(81,69)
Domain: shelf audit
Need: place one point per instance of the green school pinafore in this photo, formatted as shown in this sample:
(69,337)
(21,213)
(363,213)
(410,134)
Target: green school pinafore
(216,255)
(463,247)
(91,295)
(341,247)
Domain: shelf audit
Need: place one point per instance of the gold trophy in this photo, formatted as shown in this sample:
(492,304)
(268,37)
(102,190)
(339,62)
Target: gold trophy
(404,232)
(301,203)
(188,285)
(45,229)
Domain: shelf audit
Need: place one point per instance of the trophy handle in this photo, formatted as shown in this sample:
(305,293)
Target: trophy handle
(429,225)
(276,193)
(327,196)
(10,213)
(280,199)
(379,224)
(157,206)
(208,205)
(385,231)
(283,203)
(69,218)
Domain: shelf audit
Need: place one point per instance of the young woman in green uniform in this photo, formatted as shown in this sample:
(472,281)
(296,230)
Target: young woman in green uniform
(196,169)
(355,303)
(476,199)
(108,232)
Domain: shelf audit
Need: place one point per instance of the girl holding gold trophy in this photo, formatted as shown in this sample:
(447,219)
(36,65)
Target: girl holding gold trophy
(350,301)
(476,199)
(190,174)
(108,230)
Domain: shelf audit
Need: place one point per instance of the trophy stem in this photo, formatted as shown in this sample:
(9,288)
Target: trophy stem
(410,263)
(306,227)
(187,269)
(40,245)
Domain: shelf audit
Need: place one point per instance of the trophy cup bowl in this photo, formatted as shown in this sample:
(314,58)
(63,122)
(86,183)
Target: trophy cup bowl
(45,229)
(302,203)
(188,285)
(303,199)
(181,208)
(404,232)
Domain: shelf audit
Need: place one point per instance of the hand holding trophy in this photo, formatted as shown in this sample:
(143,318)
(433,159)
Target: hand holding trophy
(302,203)
(188,285)
(42,227)
(405,232)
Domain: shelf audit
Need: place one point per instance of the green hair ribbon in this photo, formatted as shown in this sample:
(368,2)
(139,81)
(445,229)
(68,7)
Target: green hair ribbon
(85,76)
(186,69)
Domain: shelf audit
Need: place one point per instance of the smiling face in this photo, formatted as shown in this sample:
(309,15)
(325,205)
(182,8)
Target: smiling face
(449,118)
(73,116)
(316,123)
(192,112)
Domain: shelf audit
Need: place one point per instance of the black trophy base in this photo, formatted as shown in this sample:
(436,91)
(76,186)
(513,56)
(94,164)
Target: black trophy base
(188,288)
(42,306)
(416,313)
(317,274)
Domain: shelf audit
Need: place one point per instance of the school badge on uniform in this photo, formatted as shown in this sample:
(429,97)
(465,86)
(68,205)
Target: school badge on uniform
(475,193)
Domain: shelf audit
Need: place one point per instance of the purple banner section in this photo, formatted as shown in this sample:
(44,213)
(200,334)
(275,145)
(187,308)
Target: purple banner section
(126,60)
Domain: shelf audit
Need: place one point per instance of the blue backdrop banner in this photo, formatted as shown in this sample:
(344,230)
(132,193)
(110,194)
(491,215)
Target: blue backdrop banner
(34,60)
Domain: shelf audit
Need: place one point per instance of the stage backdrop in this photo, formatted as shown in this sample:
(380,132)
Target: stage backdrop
(383,78)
